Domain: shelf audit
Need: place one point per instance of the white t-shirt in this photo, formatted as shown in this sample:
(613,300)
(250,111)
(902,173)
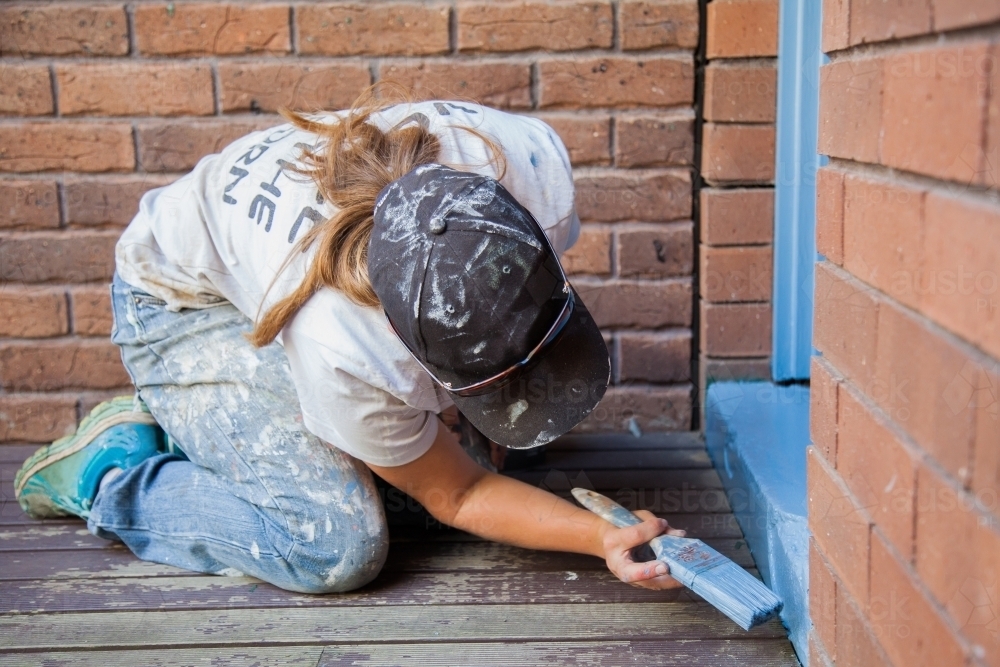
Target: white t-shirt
(221,233)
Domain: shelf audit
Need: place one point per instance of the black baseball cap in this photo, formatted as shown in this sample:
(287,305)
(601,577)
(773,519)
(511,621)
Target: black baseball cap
(472,287)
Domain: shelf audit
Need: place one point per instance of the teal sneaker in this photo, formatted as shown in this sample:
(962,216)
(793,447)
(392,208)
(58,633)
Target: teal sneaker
(62,478)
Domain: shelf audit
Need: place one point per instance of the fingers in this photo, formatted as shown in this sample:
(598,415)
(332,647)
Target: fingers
(637,572)
(645,516)
(633,536)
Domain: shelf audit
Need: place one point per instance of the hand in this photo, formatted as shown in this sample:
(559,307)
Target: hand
(618,546)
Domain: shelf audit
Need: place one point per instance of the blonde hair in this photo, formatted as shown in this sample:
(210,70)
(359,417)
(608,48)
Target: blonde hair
(354,161)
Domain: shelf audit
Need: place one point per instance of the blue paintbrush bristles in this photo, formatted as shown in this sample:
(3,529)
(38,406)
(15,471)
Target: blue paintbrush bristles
(721,582)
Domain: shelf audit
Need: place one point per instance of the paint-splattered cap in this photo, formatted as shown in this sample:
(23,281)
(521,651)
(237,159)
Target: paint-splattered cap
(473,289)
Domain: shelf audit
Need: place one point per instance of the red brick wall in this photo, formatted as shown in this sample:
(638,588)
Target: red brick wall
(101,101)
(904,476)
(737,200)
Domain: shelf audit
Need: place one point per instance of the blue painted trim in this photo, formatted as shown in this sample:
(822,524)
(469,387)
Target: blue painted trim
(757,434)
(799,58)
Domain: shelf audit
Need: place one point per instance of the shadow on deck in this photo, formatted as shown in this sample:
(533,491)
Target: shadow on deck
(443,598)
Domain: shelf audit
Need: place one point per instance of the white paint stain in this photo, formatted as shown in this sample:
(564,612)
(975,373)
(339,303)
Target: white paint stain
(229,572)
(255,551)
(516,409)
(329,524)
(571,576)
(309,531)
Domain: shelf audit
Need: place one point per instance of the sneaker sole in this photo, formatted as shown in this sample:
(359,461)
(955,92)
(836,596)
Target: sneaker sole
(120,410)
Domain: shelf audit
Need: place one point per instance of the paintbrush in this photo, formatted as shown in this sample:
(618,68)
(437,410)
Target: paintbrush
(721,582)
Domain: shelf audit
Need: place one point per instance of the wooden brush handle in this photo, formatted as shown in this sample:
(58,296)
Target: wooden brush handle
(605,508)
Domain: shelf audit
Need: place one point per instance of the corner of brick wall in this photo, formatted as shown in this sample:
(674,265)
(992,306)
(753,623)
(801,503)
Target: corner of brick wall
(904,474)
(736,202)
(103,101)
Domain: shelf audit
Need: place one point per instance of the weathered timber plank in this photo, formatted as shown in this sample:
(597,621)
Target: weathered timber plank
(17,454)
(641,459)
(390,588)
(558,479)
(697,653)
(702,526)
(295,656)
(329,625)
(410,556)
(626,441)
(80,564)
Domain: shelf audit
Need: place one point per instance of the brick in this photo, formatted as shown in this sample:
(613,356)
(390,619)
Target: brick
(649,196)
(178,145)
(855,644)
(653,24)
(841,531)
(36,417)
(878,469)
(824,384)
(652,408)
(641,304)
(135,89)
(960,287)
(591,254)
(654,141)
(58,256)
(928,386)
(986,465)
(817,653)
(850,109)
(502,84)
(836,25)
(64,30)
(830,214)
(950,14)
(25,90)
(378,29)
(921,87)
(30,204)
(522,26)
(741,92)
(882,235)
(32,313)
(822,599)
(616,81)
(742,28)
(990,174)
(69,146)
(737,153)
(958,559)
(845,324)
(736,330)
(736,274)
(587,138)
(266,86)
(91,311)
(906,623)
(203,29)
(737,216)
(655,251)
(654,357)
(878,20)
(53,365)
(114,200)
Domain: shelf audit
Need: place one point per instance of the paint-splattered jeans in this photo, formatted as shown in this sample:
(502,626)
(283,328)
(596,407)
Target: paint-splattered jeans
(260,495)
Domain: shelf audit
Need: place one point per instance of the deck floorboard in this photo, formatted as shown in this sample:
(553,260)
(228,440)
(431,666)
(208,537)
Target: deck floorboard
(443,598)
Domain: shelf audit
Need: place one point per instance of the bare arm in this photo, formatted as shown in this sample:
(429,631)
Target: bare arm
(461,494)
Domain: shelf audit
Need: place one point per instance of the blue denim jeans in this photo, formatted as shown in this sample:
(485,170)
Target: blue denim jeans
(257,493)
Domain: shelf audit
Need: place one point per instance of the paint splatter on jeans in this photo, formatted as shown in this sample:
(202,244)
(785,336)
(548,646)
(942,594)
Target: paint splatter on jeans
(258,494)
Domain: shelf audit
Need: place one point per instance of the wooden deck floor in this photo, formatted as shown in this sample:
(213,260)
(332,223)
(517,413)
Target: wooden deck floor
(444,597)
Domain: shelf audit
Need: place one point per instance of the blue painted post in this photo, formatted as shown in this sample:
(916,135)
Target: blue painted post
(799,58)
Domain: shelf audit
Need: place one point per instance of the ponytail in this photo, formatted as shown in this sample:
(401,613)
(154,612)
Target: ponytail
(354,162)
